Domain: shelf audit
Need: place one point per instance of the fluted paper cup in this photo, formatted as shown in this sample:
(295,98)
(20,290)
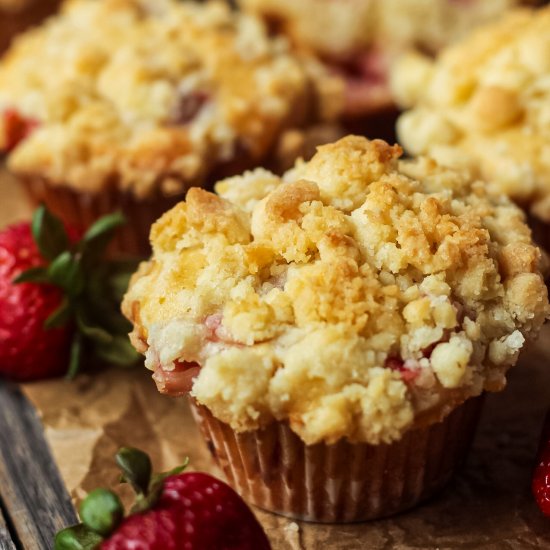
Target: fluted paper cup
(81,209)
(345,482)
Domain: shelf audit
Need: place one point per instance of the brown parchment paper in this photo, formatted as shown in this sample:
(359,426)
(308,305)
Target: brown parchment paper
(488,506)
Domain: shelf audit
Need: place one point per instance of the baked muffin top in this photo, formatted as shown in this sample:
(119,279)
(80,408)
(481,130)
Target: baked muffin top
(149,94)
(356,297)
(484,104)
(337,29)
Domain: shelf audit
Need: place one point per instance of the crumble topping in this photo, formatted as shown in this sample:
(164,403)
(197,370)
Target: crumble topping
(152,95)
(357,296)
(484,105)
(338,29)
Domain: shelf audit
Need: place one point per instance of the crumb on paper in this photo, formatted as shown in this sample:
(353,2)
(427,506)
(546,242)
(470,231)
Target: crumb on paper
(292,535)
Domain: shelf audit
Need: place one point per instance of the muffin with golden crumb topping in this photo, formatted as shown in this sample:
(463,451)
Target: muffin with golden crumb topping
(484,104)
(128,103)
(360,39)
(336,326)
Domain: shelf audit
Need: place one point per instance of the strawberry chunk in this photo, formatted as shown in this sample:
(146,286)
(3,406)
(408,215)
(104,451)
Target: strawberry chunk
(179,381)
(396,363)
(189,106)
(366,78)
(17,128)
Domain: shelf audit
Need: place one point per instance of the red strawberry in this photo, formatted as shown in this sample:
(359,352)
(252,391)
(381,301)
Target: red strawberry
(174,511)
(541,476)
(27,349)
(57,299)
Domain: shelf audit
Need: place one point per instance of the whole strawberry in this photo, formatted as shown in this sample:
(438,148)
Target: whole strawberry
(27,348)
(541,476)
(173,511)
(58,300)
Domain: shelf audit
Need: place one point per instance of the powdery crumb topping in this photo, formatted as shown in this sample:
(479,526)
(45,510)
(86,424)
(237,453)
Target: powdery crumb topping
(152,94)
(356,297)
(485,105)
(343,27)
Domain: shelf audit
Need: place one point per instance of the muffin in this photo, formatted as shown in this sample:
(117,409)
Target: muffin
(125,104)
(360,39)
(484,105)
(17,15)
(336,327)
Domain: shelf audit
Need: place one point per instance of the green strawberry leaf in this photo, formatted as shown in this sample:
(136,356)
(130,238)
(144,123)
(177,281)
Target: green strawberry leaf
(159,478)
(148,500)
(60,317)
(101,511)
(98,236)
(65,271)
(103,226)
(136,468)
(33,275)
(119,351)
(49,233)
(75,357)
(77,537)
(91,331)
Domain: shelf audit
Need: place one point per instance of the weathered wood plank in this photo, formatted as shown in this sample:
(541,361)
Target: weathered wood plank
(6,542)
(32,492)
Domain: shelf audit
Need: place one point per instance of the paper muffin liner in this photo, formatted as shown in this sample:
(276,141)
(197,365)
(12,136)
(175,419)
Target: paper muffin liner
(345,482)
(82,209)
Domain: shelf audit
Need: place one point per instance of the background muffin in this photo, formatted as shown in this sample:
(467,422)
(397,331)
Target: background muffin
(360,299)
(360,39)
(130,102)
(484,104)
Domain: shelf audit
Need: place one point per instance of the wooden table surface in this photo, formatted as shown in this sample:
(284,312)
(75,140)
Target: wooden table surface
(488,506)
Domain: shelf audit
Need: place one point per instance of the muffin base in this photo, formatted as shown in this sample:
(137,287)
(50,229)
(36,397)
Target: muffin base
(82,209)
(341,483)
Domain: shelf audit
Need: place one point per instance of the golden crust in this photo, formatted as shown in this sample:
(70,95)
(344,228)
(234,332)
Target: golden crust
(141,93)
(484,105)
(353,309)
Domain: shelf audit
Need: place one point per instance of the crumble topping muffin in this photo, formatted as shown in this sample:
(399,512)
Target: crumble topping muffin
(484,104)
(361,38)
(360,296)
(146,95)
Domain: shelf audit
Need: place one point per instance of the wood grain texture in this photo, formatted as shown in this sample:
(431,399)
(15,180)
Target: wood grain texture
(6,542)
(34,497)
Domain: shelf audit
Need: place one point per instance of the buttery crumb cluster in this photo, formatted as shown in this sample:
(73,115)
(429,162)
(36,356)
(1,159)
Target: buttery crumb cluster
(485,105)
(356,297)
(147,94)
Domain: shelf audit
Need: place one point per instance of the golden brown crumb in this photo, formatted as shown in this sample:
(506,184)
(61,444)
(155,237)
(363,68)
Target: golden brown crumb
(484,105)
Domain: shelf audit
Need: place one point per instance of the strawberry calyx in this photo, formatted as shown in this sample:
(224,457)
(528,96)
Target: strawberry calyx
(102,511)
(92,287)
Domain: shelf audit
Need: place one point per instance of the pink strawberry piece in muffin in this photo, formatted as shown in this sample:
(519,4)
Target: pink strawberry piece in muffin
(16,128)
